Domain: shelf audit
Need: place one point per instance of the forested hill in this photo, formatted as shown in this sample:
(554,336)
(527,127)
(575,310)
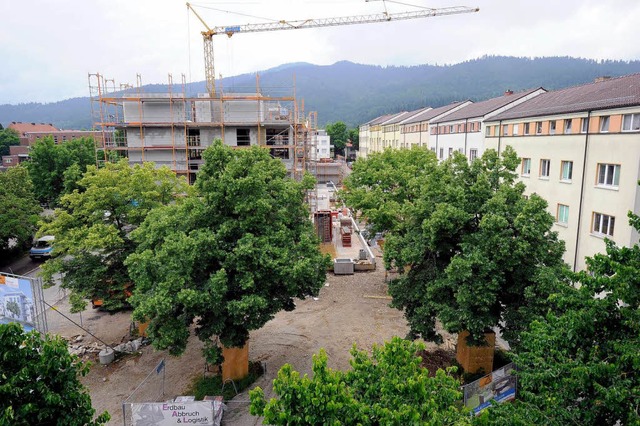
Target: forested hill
(356,93)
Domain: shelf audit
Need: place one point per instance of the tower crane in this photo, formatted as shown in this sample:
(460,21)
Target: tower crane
(230,30)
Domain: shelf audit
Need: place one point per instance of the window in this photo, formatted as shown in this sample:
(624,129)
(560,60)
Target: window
(505,130)
(515,129)
(473,154)
(441,153)
(552,127)
(433,149)
(526,128)
(630,122)
(460,128)
(604,123)
(8,160)
(451,129)
(243,138)
(487,131)
(603,224)
(567,126)
(544,168)
(562,214)
(538,127)
(526,166)
(584,125)
(567,171)
(608,174)
(450,152)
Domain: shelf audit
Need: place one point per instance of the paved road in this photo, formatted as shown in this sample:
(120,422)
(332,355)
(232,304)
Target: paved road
(21,266)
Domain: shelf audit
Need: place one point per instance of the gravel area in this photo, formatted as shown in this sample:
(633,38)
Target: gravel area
(350,309)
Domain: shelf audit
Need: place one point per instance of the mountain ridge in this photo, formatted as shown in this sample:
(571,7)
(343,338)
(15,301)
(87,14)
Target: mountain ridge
(356,93)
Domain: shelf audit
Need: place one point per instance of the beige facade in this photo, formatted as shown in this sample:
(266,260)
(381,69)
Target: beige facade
(585,162)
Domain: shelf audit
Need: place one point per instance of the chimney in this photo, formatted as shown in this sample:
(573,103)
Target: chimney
(602,78)
(508,92)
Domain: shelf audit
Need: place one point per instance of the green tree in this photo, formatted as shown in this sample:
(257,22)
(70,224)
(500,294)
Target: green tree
(471,250)
(39,382)
(49,162)
(339,135)
(19,211)
(354,137)
(581,363)
(228,259)
(8,137)
(380,187)
(93,225)
(12,306)
(387,388)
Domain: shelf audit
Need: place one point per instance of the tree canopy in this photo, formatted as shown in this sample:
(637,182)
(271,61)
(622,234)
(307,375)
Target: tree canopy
(339,134)
(50,161)
(20,211)
(228,258)
(8,137)
(470,249)
(580,363)
(39,382)
(93,225)
(387,387)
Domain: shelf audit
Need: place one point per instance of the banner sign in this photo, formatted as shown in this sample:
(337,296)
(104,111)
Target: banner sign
(173,413)
(499,386)
(16,302)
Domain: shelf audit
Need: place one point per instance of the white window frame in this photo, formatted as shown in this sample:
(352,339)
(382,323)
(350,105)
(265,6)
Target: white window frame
(566,171)
(525,167)
(567,126)
(611,176)
(602,224)
(562,214)
(544,171)
(538,127)
(604,124)
(527,128)
(584,125)
(552,127)
(505,130)
(515,129)
(487,131)
(441,153)
(450,153)
(632,122)
(473,154)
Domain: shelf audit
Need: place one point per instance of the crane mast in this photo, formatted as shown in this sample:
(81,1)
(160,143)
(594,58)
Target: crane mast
(230,30)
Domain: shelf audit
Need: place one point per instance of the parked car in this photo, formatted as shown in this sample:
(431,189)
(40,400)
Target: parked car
(42,247)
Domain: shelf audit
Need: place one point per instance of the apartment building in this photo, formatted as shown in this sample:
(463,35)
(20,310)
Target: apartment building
(371,138)
(415,129)
(462,130)
(30,133)
(580,150)
(323,145)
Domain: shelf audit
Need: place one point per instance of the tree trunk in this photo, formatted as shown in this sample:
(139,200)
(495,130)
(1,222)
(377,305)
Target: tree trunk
(236,362)
(476,358)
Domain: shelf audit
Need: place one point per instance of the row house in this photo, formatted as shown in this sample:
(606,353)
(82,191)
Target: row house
(580,150)
(415,129)
(462,130)
(375,134)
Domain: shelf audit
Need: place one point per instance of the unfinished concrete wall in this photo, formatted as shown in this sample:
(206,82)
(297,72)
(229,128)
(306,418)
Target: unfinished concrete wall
(154,111)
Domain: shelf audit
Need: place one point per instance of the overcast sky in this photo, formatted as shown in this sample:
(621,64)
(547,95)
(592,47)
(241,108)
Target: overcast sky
(47,47)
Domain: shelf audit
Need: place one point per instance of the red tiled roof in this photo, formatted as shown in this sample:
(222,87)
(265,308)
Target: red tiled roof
(23,128)
(611,93)
(480,109)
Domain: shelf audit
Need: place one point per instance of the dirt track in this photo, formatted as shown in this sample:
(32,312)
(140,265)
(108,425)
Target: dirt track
(350,309)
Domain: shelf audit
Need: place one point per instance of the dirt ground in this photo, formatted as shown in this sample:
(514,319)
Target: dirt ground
(350,309)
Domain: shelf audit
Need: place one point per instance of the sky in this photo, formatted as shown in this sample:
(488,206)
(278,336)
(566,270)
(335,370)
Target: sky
(48,47)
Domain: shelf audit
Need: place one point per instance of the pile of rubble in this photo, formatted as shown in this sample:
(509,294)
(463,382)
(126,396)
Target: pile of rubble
(77,346)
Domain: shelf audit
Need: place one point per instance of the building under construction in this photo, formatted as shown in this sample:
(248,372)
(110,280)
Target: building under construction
(173,128)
